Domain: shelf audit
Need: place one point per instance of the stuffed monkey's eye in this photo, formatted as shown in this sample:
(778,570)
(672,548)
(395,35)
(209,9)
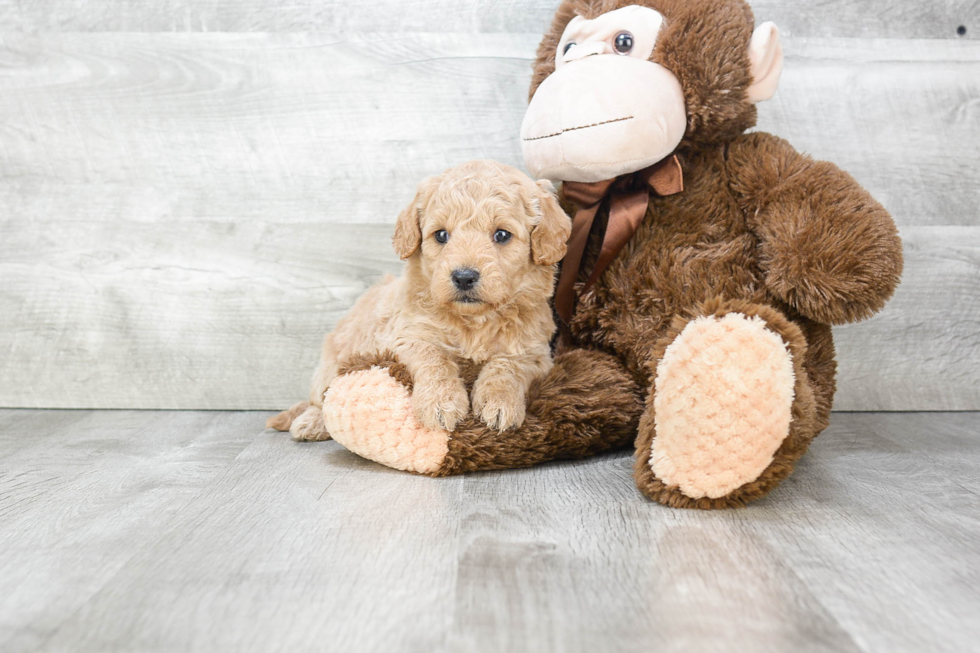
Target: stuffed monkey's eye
(500,236)
(568,46)
(442,236)
(623,42)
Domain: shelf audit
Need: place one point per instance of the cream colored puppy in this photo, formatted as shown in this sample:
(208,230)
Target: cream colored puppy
(481,241)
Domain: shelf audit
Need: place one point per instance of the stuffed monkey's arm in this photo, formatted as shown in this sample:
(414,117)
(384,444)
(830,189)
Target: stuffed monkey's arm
(828,249)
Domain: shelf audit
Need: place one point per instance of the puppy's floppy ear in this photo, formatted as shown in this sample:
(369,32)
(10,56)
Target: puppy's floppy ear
(549,238)
(408,227)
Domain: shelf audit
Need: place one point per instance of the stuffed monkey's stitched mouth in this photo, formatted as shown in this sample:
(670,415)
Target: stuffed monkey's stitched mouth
(571,129)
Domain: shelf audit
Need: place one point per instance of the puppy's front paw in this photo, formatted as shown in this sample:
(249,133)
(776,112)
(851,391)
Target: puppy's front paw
(500,405)
(440,405)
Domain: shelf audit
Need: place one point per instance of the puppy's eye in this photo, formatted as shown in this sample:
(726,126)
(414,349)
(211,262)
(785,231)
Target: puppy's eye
(568,46)
(623,43)
(442,236)
(500,236)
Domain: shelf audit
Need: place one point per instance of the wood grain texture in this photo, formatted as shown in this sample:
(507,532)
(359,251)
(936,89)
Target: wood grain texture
(859,18)
(170,316)
(922,351)
(215,315)
(919,464)
(184,215)
(80,493)
(166,532)
(897,115)
(644,578)
(306,128)
(127,322)
(250,127)
(291,548)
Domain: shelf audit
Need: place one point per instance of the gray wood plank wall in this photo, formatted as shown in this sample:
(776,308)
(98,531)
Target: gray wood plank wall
(859,18)
(191,194)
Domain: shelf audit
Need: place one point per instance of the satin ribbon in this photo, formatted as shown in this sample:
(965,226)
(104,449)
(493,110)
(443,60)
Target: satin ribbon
(628,197)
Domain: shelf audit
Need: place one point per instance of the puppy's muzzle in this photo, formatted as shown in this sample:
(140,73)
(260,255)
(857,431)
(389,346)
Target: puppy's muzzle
(465,278)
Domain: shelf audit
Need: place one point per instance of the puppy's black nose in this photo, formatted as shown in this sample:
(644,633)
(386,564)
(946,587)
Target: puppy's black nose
(465,278)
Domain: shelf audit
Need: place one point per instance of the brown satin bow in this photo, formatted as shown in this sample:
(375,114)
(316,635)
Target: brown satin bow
(628,197)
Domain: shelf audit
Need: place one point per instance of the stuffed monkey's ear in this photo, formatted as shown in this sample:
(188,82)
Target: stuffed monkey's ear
(766,59)
(549,238)
(408,227)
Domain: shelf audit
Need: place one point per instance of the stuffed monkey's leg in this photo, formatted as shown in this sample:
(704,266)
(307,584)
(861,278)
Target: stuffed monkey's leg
(586,404)
(731,409)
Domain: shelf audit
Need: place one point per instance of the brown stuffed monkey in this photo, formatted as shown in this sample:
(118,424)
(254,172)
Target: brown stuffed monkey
(705,268)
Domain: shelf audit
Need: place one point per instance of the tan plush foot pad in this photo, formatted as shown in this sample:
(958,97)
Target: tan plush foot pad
(370,414)
(724,392)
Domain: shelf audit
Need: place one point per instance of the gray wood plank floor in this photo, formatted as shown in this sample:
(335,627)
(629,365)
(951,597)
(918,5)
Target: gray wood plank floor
(198,531)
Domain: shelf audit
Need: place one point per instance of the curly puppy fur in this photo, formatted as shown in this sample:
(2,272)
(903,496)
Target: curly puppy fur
(433,323)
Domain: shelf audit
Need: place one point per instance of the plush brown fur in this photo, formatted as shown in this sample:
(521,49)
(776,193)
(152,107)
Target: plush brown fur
(759,230)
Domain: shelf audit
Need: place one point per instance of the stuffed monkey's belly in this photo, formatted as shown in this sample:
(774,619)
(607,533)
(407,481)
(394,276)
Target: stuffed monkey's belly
(370,414)
(724,393)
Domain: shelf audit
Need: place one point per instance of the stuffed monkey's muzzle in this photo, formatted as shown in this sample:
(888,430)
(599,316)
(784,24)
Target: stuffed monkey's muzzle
(602,116)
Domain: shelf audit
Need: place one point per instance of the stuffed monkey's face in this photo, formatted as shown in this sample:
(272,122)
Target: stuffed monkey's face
(607,109)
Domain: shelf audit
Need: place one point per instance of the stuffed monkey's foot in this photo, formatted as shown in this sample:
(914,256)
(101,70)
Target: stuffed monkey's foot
(724,390)
(370,413)
(723,405)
